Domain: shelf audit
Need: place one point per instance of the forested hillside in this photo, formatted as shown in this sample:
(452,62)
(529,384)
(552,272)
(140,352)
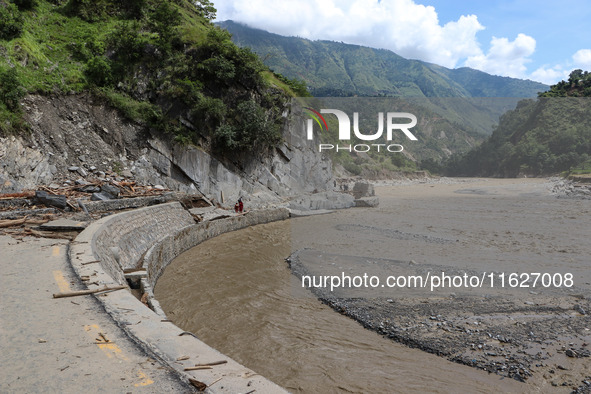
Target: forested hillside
(161,63)
(544,136)
(337,69)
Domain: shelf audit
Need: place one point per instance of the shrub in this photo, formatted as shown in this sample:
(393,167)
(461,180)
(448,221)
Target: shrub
(127,43)
(297,86)
(255,130)
(11,90)
(11,21)
(89,10)
(226,63)
(352,168)
(225,137)
(163,20)
(205,8)
(210,110)
(11,122)
(138,111)
(218,67)
(98,71)
(86,50)
(25,4)
(135,8)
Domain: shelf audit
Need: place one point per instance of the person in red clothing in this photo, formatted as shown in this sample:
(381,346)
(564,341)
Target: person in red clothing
(240,205)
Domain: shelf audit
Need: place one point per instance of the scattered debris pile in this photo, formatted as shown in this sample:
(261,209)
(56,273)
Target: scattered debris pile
(62,210)
(564,188)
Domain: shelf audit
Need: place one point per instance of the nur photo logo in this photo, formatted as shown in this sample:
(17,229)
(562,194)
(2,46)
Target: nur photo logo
(395,123)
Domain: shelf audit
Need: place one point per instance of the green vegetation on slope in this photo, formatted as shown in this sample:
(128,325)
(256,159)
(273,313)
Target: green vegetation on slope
(437,135)
(469,102)
(338,69)
(578,85)
(160,62)
(453,118)
(544,136)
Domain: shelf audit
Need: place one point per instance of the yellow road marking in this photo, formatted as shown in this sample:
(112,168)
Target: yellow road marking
(113,351)
(55,251)
(145,380)
(110,349)
(62,283)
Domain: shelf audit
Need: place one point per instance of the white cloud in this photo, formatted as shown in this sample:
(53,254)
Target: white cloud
(582,59)
(409,29)
(550,75)
(507,58)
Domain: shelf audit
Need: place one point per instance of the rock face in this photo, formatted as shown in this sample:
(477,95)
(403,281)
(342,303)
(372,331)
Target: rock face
(367,202)
(23,166)
(78,135)
(362,191)
(325,200)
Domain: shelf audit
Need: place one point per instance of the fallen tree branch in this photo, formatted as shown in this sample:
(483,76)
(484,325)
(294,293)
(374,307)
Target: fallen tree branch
(196,368)
(212,364)
(46,234)
(85,292)
(197,384)
(7,196)
(215,381)
(12,222)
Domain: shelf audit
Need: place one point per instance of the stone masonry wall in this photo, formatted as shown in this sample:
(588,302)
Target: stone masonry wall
(122,240)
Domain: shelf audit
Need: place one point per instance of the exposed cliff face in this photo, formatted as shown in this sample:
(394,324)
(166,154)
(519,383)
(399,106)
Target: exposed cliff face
(81,131)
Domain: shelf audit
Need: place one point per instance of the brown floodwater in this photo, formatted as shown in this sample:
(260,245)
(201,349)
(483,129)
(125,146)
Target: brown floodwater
(237,294)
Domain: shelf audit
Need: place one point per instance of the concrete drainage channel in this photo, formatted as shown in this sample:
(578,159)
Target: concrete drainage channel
(138,245)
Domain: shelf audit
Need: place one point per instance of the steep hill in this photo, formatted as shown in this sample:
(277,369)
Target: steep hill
(539,137)
(162,62)
(178,83)
(337,69)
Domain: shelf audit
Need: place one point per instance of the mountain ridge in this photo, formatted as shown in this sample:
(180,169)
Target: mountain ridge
(337,69)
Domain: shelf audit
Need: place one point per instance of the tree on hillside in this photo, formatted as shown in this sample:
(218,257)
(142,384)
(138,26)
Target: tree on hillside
(205,9)
(578,85)
(11,21)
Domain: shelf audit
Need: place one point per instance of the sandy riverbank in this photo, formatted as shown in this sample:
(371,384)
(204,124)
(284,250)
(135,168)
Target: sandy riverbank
(536,334)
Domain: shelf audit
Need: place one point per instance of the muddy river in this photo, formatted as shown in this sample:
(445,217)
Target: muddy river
(236,292)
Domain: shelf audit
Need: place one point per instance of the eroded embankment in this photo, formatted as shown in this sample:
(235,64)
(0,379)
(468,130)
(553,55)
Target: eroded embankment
(143,242)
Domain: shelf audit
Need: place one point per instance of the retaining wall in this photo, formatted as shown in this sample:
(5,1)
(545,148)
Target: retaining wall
(120,241)
(150,238)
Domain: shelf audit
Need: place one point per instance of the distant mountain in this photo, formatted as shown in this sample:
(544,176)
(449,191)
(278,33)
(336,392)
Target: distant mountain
(458,108)
(337,69)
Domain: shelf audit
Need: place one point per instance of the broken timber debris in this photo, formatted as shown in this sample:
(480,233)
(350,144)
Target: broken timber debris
(85,292)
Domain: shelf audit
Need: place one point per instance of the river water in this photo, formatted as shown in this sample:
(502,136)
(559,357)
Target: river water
(237,294)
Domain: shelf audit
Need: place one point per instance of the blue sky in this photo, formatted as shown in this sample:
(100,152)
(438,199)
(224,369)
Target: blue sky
(539,40)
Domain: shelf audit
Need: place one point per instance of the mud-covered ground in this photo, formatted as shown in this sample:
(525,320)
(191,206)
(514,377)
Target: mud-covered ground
(537,334)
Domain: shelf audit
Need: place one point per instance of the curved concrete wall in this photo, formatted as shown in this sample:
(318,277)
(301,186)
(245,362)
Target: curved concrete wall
(158,234)
(119,241)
